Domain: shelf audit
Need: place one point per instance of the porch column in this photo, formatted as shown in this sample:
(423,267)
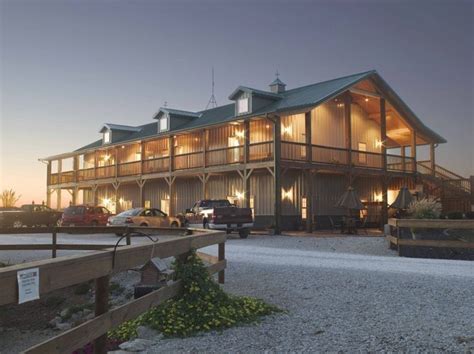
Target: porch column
(471,179)
(60,170)
(348,128)
(116,186)
(48,197)
(432,158)
(413,149)
(308,174)
(247,172)
(204,146)
(277,172)
(403,155)
(383,138)
(58,198)
(75,167)
(171,153)
(75,191)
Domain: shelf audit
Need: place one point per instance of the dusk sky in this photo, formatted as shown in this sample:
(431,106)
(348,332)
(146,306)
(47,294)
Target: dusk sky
(67,67)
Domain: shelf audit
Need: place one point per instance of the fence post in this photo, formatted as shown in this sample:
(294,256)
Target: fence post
(101,306)
(221,257)
(54,243)
(129,241)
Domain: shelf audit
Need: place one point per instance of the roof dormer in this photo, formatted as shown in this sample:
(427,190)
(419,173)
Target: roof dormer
(170,119)
(249,100)
(115,132)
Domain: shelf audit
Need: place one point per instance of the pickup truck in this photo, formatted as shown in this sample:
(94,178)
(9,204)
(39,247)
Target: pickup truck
(29,215)
(220,214)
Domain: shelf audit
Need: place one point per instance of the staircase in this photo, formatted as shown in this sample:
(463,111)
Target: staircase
(453,190)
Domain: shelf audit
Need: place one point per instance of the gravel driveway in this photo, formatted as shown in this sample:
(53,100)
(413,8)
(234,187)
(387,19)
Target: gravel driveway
(339,296)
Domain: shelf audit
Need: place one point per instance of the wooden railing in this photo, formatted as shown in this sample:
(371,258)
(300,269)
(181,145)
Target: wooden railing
(129,168)
(63,272)
(161,164)
(399,163)
(105,171)
(261,151)
(189,160)
(54,178)
(367,159)
(293,151)
(224,156)
(399,228)
(329,155)
(85,174)
(67,177)
(446,176)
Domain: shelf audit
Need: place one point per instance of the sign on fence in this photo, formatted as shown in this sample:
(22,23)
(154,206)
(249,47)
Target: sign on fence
(28,285)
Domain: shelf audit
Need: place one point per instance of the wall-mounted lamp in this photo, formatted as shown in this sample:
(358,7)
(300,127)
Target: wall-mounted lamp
(377,197)
(287,194)
(239,195)
(106,157)
(378,143)
(287,130)
(239,134)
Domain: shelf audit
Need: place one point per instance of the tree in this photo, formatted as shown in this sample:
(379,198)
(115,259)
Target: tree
(9,198)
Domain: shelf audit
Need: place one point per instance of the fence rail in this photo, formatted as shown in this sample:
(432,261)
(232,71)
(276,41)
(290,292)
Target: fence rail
(66,271)
(397,224)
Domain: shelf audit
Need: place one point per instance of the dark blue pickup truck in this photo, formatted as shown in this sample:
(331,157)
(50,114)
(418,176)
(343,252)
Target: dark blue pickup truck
(29,215)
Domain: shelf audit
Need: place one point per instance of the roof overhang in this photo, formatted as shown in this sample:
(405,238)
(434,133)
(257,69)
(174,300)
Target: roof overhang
(125,128)
(175,112)
(240,89)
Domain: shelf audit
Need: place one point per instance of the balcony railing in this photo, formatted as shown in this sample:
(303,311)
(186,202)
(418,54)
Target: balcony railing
(85,174)
(129,168)
(67,177)
(161,164)
(340,156)
(259,152)
(225,156)
(189,160)
(105,171)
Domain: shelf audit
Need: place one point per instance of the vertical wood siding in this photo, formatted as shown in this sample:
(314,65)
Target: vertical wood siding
(327,124)
(130,194)
(222,186)
(156,148)
(261,130)
(155,191)
(327,189)
(293,128)
(187,143)
(219,137)
(129,153)
(292,185)
(187,191)
(364,129)
(262,190)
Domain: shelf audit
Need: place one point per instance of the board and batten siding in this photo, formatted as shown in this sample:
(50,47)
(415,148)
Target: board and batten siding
(223,186)
(293,128)
(187,192)
(219,137)
(262,190)
(364,130)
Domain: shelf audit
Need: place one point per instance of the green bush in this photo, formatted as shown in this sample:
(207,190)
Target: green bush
(455,215)
(202,306)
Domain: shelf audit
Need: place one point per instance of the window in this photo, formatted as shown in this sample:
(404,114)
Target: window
(163,124)
(107,137)
(242,105)
(362,156)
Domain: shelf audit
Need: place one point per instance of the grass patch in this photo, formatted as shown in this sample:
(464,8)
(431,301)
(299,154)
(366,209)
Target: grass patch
(202,306)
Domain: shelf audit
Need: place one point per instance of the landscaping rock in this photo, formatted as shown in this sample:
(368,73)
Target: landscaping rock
(63,326)
(136,345)
(144,332)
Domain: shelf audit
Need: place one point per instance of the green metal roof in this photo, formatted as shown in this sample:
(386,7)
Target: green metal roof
(297,98)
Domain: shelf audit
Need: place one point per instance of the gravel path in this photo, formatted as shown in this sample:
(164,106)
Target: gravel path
(339,299)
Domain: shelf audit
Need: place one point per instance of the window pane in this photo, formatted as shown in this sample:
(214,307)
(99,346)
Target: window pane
(163,124)
(243,105)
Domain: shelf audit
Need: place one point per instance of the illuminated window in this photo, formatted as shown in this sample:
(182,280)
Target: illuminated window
(107,137)
(163,124)
(242,105)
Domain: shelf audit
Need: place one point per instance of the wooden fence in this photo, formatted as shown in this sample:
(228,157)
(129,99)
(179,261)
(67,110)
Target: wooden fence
(395,240)
(66,271)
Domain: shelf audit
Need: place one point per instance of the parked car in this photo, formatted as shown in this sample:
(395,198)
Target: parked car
(84,215)
(29,215)
(144,217)
(220,214)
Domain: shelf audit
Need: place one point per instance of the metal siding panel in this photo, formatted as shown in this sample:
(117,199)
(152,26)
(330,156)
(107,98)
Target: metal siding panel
(155,191)
(262,189)
(187,192)
(327,189)
(327,125)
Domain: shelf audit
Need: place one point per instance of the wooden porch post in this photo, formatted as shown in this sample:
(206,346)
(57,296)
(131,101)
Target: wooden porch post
(308,174)
(413,149)
(277,172)
(58,198)
(48,182)
(246,179)
(116,186)
(75,167)
(403,155)
(204,147)
(348,128)
(471,179)
(48,197)
(432,159)
(75,191)
(383,138)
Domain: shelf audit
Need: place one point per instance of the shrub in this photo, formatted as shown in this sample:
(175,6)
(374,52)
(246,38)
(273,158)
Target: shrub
(455,215)
(426,208)
(470,215)
(202,306)
(82,289)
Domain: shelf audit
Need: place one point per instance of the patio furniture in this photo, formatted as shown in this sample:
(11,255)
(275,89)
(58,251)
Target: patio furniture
(335,225)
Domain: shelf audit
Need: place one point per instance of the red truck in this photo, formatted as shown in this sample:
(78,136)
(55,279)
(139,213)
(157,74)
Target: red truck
(220,214)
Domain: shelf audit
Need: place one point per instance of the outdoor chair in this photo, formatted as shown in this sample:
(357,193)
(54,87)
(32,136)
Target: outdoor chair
(363,225)
(335,226)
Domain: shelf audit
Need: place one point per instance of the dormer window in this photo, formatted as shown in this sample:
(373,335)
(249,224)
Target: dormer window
(242,105)
(163,123)
(107,138)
